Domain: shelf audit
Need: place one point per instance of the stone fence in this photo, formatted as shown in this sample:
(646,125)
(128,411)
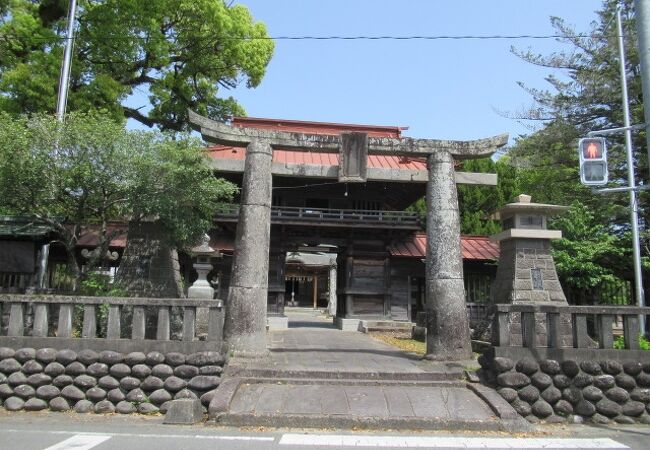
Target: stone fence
(559,364)
(30,323)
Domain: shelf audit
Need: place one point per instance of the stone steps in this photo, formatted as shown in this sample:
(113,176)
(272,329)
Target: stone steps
(445,374)
(384,325)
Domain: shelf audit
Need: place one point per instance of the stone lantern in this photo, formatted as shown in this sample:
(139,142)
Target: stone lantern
(526,272)
(201,288)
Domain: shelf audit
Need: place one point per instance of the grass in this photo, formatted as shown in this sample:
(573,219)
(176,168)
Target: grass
(401,340)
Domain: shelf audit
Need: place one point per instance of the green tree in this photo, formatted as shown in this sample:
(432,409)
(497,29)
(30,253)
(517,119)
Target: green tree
(91,170)
(179,53)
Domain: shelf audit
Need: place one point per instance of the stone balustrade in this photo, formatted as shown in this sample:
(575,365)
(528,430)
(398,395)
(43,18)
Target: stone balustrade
(604,318)
(39,331)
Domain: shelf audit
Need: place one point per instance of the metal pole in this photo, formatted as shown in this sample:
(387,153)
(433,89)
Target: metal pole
(64,79)
(642,16)
(638,281)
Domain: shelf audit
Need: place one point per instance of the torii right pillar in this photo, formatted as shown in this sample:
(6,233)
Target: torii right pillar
(448,335)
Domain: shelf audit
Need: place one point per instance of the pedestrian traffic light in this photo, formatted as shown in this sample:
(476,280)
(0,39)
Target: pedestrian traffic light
(593,161)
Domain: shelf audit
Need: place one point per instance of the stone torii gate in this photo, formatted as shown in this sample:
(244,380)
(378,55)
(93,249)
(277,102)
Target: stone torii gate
(448,335)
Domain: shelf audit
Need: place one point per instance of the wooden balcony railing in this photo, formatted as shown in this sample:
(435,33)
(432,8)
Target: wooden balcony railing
(39,331)
(603,319)
(333,217)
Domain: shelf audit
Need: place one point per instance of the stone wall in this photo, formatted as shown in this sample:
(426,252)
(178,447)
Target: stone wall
(572,390)
(104,382)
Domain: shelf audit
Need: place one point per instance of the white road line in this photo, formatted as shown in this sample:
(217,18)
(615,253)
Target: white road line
(144,435)
(447,442)
(80,442)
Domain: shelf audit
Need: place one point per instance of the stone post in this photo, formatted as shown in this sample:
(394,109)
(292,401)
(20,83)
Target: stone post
(332,288)
(448,335)
(245,322)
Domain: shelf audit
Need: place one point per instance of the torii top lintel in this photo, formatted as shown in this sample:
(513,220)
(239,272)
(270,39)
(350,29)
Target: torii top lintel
(221,133)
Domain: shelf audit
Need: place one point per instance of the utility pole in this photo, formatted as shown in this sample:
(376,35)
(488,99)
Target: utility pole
(642,14)
(64,79)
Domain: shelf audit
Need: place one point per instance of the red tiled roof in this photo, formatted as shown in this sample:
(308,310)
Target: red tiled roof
(478,248)
(90,236)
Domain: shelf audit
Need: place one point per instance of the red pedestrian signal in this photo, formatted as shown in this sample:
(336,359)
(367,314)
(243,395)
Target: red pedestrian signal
(593,161)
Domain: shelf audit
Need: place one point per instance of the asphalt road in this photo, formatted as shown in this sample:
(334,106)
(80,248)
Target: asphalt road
(70,431)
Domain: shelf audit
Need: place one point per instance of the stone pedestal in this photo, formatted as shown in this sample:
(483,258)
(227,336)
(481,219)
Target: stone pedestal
(245,324)
(448,335)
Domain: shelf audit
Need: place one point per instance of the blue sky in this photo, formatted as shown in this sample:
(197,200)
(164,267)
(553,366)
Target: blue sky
(440,89)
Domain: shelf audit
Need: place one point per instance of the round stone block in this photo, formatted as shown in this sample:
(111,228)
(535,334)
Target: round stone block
(527,366)
(72,393)
(522,408)
(582,379)
(147,408)
(174,384)
(97,369)
(541,409)
(46,355)
(205,359)
(625,420)
(643,379)
(185,393)
(16,379)
(110,357)
(585,408)
(633,409)
(591,367)
(35,404)
(159,397)
(96,394)
(39,379)
(60,404)
(550,366)
(141,371)
(74,369)
(513,380)
(592,393)
(501,364)
(600,419)
(115,396)
(31,367)
(104,407)
(6,352)
(208,396)
(25,354)
(541,380)
(62,380)
(3,378)
(608,407)
(528,394)
(85,381)
(551,395)
(563,408)
(154,358)
(125,407)
(151,384)
(210,370)
(175,359)
(644,419)
(604,382)
(561,381)
(54,369)
(617,394)
(611,367)
(108,382)
(572,394)
(9,365)
(84,406)
(508,394)
(14,404)
(136,396)
(48,392)
(641,395)
(120,370)
(632,368)
(129,383)
(165,406)
(570,368)
(625,381)
(87,357)
(24,391)
(66,356)
(185,371)
(134,358)
(162,371)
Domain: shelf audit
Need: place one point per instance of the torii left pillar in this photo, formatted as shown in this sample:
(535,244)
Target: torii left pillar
(245,321)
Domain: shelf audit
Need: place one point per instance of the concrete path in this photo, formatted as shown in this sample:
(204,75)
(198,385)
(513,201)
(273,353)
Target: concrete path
(318,376)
